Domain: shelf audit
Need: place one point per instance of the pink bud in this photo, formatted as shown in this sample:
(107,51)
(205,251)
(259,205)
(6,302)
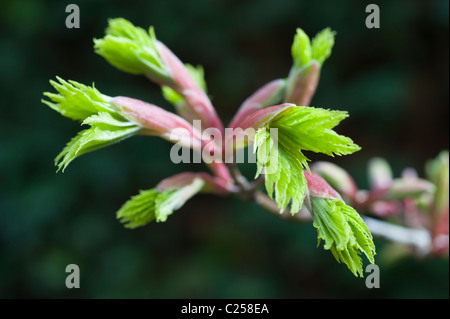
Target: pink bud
(385,209)
(318,187)
(176,181)
(266,96)
(263,117)
(244,134)
(199,103)
(302,84)
(157,121)
(211,184)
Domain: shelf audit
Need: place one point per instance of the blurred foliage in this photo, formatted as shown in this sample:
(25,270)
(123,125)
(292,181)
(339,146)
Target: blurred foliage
(392,80)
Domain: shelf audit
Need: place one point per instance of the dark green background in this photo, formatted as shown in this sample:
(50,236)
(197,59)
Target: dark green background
(392,80)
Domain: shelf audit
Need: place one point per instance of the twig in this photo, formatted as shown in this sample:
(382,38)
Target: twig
(240,179)
(264,201)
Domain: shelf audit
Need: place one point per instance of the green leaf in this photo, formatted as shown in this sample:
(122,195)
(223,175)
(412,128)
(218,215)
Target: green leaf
(284,169)
(304,50)
(139,210)
(170,200)
(90,140)
(153,204)
(197,74)
(77,101)
(80,102)
(311,129)
(343,231)
(107,121)
(298,129)
(131,49)
(322,44)
(301,49)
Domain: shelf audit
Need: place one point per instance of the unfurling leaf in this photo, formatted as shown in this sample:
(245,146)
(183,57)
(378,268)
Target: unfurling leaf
(139,210)
(308,57)
(283,169)
(157,204)
(298,129)
(319,49)
(322,44)
(301,49)
(93,139)
(77,101)
(132,49)
(80,102)
(343,232)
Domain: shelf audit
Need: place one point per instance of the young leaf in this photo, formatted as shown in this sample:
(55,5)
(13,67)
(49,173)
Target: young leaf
(319,49)
(77,101)
(132,49)
(322,44)
(101,134)
(343,232)
(298,129)
(80,102)
(172,199)
(312,130)
(285,176)
(301,49)
(139,210)
(156,204)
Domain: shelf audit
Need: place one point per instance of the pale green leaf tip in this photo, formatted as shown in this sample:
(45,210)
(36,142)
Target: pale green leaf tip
(278,180)
(132,49)
(197,74)
(87,105)
(299,129)
(322,45)
(139,210)
(301,49)
(152,204)
(344,233)
(318,49)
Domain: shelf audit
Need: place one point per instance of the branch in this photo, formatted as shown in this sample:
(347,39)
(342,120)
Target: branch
(240,179)
(264,201)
